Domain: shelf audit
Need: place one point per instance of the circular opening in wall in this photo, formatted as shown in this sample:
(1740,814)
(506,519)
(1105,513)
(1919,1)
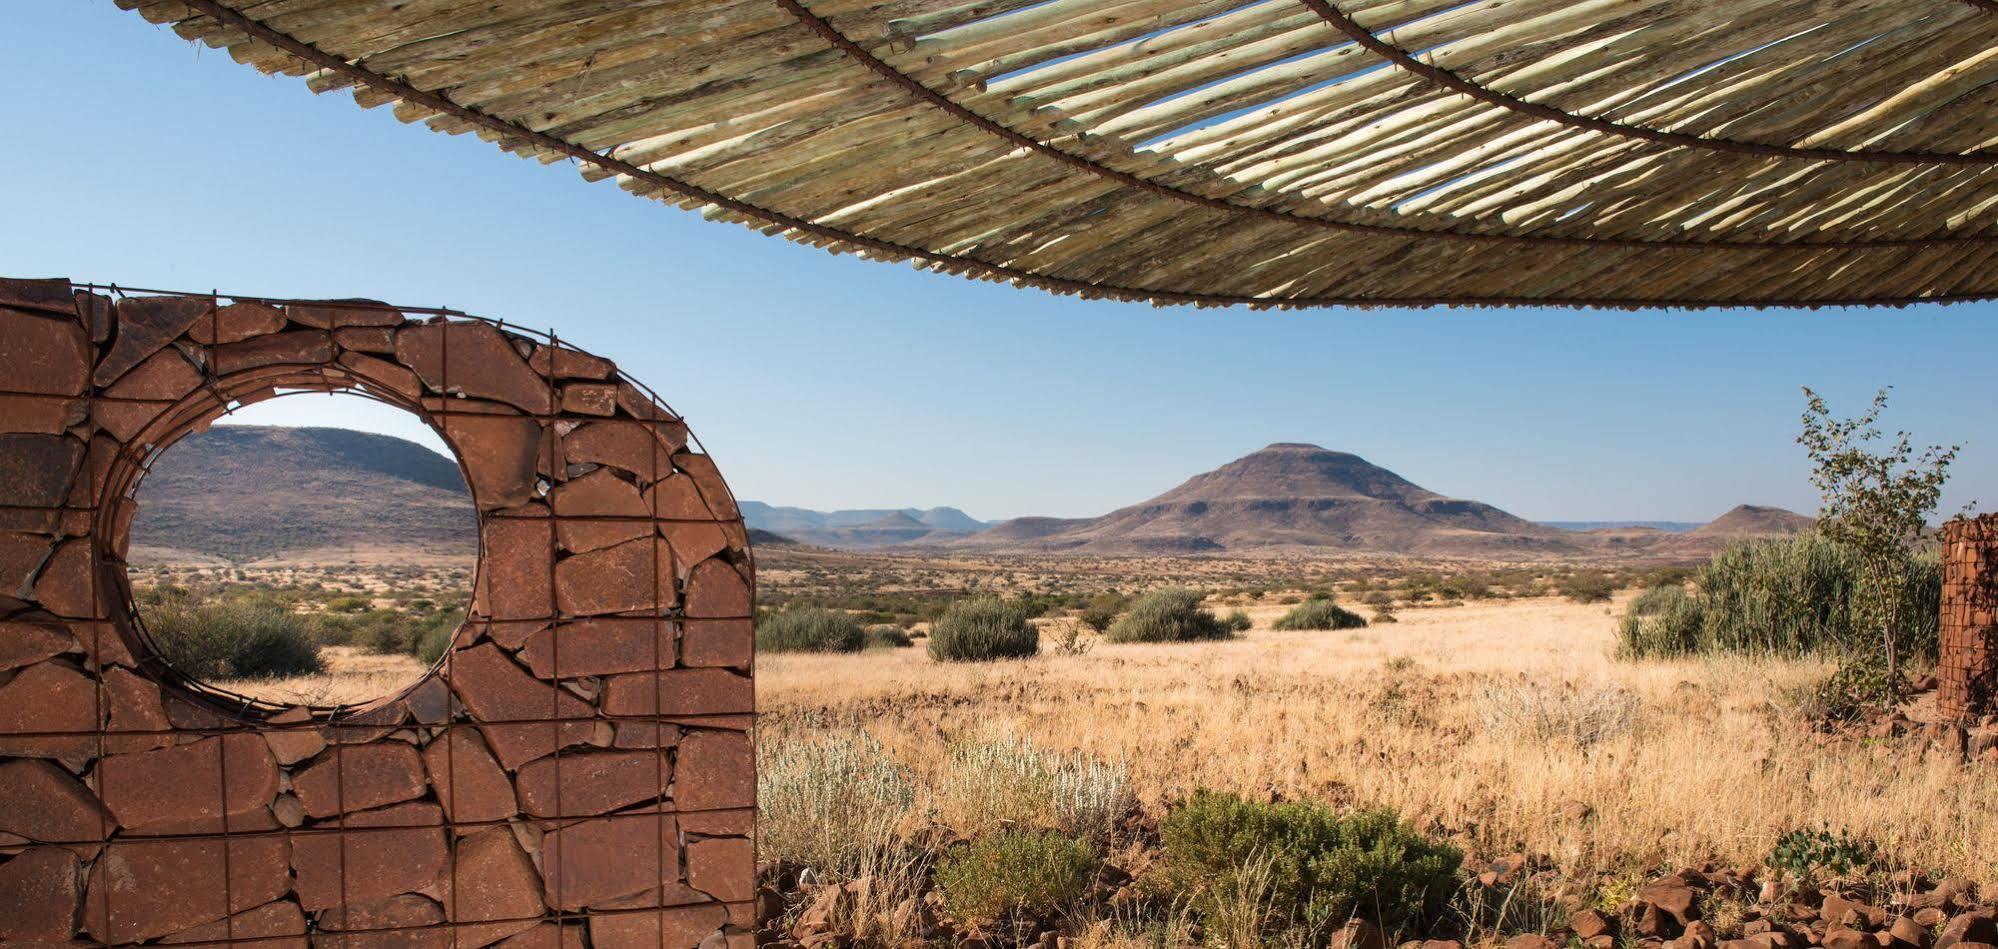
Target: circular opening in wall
(314,549)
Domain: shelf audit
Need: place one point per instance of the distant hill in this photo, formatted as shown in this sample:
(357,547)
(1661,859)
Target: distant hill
(860,527)
(1751,520)
(1674,527)
(249,492)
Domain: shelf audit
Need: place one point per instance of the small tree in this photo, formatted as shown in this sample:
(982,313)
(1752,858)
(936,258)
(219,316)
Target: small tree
(1877,497)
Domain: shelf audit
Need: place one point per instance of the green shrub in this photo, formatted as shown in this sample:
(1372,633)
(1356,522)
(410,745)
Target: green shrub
(1239,621)
(885,636)
(832,799)
(431,645)
(1320,614)
(1167,616)
(1789,597)
(1314,868)
(809,629)
(1103,609)
(348,604)
(1809,855)
(1589,586)
(1037,873)
(233,640)
(977,630)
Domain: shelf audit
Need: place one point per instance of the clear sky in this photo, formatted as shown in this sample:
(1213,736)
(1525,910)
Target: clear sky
(826,381)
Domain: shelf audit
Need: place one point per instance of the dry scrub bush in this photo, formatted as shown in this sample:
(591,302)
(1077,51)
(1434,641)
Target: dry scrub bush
(1538,712)
(977,630)
(1038,873)
(887,636)
(1010,782)
(809,629)
(833,801)
(232,640)
(1320,614)
(1167,616)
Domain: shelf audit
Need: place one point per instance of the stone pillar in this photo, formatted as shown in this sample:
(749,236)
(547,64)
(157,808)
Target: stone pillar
(1967,671)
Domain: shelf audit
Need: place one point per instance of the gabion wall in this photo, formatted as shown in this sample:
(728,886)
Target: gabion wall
(577,770)
(1967,672)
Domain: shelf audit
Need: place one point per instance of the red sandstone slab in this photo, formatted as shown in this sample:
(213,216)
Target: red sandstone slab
(623,444)
(29,641)
(45,803)
(515,575)
(679,692)
(569,363)
(191,786)
(48,294)
(592,782)
(293,347)
(38,893)
(678,927)
(160,886)
(406,921)
(360,777)
(276,925)
(501,454)
(144,325)
(236,322)
(716,769)
(35,470)
(492,879)
(397,849)
(718,642)
(335,314)
(470,784)
(49,698)
(163,375)
(546,936)
(606,511)
(495,689)
(722,867)
(294,740)
(475,359)
(716,589)
(135,707)
(600,645)
(589,398)
(597,861)
(41,414)
(635,575)
(43,353)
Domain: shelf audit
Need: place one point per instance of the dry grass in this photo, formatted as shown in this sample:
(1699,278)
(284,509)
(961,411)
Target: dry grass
(1677,761)
(351,677)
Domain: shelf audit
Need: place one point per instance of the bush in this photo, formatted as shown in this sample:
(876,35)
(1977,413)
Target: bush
(1589,587)
(1788,597)
(977,630)
(829,800)
(1011,782)
(1239,621)
(1320,614)
(1312,868)
(1103,609)
(348,604)
(1038,873)
(884,636)
(233,640)
(1805,856)
(809,629)
(1167,616)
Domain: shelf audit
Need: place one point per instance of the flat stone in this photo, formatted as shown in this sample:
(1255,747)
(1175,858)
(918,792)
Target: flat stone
(44,354)
(65,586)
(35,470)
(38,893)
(679,692)
(493,880)
(569,363)
(592,782)
(397,849)
(125,420)
(599,494)
(135,707)
(694,541)
(45,803)
(164,375)
(97,462)
(28,641)
(515,572)
(41,414)
(717,642)
(407,921)
(236,322)
(717,590)
(640,406)
(599,646)
(21,557)
(546,936)
(737,822)
(495,689)
(367,339)
(622,444)
(45,294)
(714,769)
(277,925)
(501,454)
(476,360)
(49,697)
(708,478)
(597,861)
(684,926)
(722,867)
(635,575)
(677,497)
(145,324)
(360,777)
(292,742)
(589,398)
(644,734)
(192,787)
(294,347)
(383,375)
(334,314)
(470,784)
(153,887)
(430,701)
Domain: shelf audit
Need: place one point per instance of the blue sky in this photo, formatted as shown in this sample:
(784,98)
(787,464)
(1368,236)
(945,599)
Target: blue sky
(829,381)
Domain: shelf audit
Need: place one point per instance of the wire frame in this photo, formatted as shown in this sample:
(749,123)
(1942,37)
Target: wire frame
(576,769)
(1967,664)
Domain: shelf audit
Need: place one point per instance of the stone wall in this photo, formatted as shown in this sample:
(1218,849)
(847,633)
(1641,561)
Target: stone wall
(1967,671)
(576,771)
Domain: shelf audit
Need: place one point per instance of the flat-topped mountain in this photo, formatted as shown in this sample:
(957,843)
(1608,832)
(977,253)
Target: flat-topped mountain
(1754,520)
(860,527)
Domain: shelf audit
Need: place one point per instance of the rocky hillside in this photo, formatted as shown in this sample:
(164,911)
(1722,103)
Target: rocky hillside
(860,528)
(249,492)
(1752,520)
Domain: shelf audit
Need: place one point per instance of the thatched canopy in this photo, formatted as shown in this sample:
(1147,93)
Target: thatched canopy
(1281,152)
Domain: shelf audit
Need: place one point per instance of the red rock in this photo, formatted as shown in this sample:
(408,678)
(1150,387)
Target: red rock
(644,734)
(1929,917)
(360,777)
(635,575)
(1908,933)
(49,294)
(599,494)
(495,689)
(153,887)
(714,491)
(515,572)
(41,414)
(407,921)
(125,421)
(738,822)
(726,642)
(1362,934)
(164,375)
(548,936)
(694,541)
(277,925)
(295,347)
(1589,924)
(292,740)
(429,701)
(135,707)
(65,586)
(592,782)
(596,861)
(589,398)
(397,849)
(382,374)
(1979,926)
(501,454)
(717,590)
(625,445)
(44,354)
(38,892)
(714,769)
(1531,941)
(600,645)
(492,879)
(49,697)
(145,324)
(476,360)
(1840,911)
(470,784)
(677,497)
(35,470)
(723,867)
(1843,938)
(367,339)
(1671,896)
(181,788)
(28,641)
(44,803)
(569,363)
(1441,944)
(21,557)
(683,926)
(334,314)
(235,323)
(679,692)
